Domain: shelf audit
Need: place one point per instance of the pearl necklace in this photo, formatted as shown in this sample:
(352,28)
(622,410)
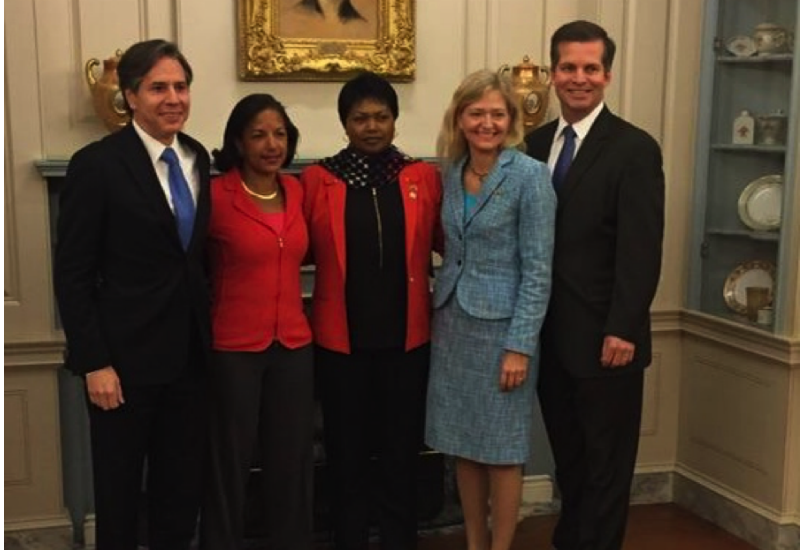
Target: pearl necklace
(252,193)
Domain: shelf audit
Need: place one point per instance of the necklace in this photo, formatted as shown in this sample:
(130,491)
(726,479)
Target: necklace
(481,175)
(252,193)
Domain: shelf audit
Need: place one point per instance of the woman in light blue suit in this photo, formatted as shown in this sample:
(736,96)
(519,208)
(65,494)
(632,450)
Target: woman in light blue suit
(490,299)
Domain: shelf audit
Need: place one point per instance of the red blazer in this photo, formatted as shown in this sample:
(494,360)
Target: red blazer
(323,206)
(255,272)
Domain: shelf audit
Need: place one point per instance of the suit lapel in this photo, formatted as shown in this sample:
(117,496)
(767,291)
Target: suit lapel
(247,207)
(134,156)
(409,189)
(491,186)
(590,149)
(335,192)
(203,204)
(240,201)
(454,193)
(540,142)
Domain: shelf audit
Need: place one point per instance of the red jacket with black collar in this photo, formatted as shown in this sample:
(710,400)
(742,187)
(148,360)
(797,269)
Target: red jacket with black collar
(323,206)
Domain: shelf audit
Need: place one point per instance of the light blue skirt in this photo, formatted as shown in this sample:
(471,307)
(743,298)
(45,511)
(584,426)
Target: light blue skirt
(467,414)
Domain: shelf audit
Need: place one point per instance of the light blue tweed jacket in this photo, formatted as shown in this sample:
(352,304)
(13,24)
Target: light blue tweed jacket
(498,257)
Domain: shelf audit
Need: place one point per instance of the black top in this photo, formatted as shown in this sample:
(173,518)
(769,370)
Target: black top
(375,286)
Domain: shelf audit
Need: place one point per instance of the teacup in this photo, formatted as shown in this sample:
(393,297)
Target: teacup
(771,39)
(757,298)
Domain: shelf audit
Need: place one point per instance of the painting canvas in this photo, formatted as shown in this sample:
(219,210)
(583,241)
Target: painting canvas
(325,39)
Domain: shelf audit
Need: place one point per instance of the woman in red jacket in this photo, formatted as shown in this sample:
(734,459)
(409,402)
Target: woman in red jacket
(262,373)
(372,213)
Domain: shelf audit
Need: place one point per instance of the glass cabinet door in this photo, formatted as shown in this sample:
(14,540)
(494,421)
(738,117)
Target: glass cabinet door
(745,160)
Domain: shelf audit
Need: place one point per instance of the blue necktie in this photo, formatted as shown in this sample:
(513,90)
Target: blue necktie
(564,157)
(181,197)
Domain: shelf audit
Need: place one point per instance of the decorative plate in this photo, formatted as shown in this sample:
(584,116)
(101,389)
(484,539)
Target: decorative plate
(741,46)
(753,273)
(760,203)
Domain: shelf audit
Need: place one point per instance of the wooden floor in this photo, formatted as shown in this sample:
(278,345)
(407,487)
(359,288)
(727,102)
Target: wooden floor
(651,527)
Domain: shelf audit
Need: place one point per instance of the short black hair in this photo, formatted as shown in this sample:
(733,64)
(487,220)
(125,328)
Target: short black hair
(247,109)
(366,85)
(582,31)
(140,58)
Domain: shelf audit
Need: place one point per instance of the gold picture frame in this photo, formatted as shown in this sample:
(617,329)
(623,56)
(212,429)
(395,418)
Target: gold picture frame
(295,40)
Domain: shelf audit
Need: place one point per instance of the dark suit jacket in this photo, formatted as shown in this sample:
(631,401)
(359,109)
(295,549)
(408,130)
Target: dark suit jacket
(129,295)
(607,261)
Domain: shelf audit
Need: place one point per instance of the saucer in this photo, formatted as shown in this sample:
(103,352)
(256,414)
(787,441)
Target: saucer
(760,203)
(752,273)
(741,46)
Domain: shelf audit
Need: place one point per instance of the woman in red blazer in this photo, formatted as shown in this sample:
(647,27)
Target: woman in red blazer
(372,214)
(262,370)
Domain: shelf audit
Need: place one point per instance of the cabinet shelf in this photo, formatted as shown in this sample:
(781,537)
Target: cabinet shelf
(765,149)
(756,59)
(743,320)
(746,233)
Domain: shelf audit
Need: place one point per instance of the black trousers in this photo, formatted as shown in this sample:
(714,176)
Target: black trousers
(373,406)
(593,428)
(164,425)
(264,398)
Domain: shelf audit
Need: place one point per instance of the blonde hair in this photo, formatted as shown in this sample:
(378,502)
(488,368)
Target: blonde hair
(451,144)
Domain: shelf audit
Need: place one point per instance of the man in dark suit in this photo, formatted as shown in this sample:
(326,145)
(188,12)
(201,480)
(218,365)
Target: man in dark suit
(596,337)
(133,298)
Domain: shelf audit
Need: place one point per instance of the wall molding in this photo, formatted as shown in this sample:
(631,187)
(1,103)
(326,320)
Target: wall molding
(37,523)
(34,354)
(742,338)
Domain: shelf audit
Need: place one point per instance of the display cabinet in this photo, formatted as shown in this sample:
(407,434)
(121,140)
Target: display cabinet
(746,162)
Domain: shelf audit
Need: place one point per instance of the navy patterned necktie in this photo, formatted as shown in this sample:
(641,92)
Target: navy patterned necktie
(181,197)
(564,157)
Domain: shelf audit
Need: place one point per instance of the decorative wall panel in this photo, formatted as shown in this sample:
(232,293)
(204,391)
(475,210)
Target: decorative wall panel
(17,439)
(33,489)
(734,420)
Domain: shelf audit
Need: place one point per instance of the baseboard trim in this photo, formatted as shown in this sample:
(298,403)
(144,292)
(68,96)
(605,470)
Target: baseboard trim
(759,525)
(34,524)
(729,494)
(652,484)
(537,490)
(88,531)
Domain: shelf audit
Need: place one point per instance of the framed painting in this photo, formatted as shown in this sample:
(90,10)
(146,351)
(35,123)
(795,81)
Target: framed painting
(325,39)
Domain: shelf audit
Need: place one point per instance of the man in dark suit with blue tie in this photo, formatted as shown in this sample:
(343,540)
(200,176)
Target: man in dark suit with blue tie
(133,297)
(596,338)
